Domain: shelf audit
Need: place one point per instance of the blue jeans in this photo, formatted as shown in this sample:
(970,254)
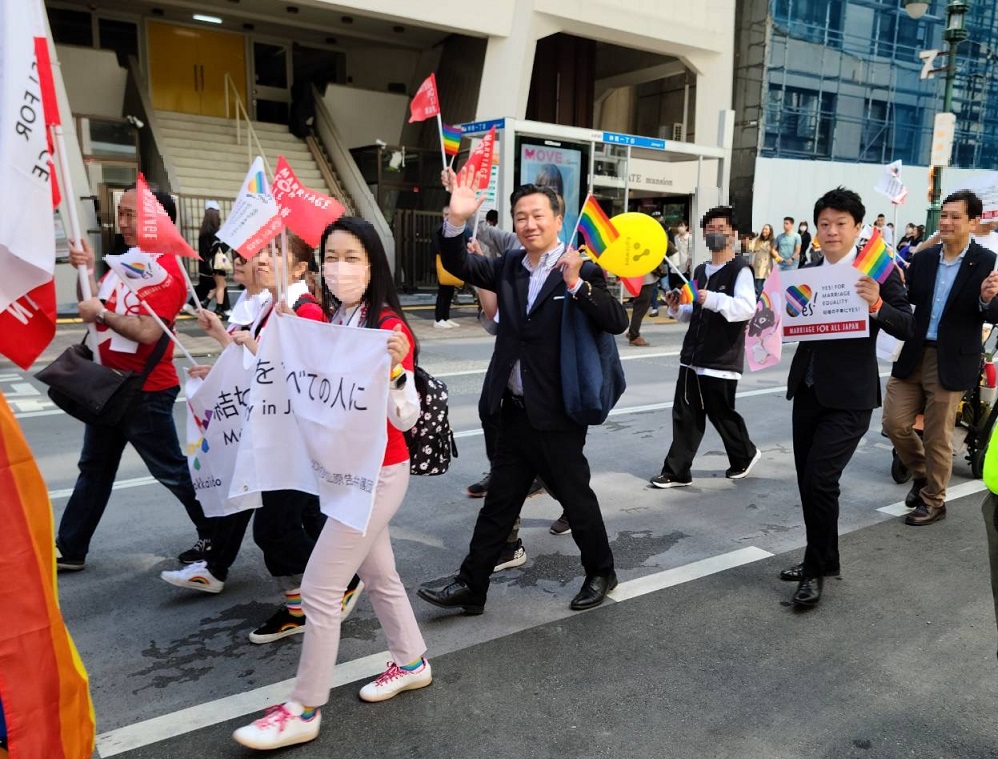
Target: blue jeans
(151,431)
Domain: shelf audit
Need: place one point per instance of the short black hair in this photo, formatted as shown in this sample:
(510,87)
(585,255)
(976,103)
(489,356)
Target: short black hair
(165,199)
(789,218)
(973,203)
(881,216)
(535,189)
(492,216)
(720,212)
(841,199)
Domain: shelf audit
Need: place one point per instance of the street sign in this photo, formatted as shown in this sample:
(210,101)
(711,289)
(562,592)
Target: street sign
(480,127)
(942,139)
(634,141)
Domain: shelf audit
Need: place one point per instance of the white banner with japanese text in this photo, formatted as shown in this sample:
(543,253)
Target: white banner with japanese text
(317,416)
(216,407)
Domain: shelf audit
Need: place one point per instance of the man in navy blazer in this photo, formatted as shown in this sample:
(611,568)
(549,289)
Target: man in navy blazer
(835,385)
(524,387)
(952,287)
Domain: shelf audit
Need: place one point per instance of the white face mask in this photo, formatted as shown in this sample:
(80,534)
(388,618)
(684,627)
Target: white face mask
(346,281)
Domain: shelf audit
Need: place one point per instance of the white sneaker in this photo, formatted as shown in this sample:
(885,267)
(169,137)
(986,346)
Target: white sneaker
(280,726)
(194,576)
(189,309)
(443,324)
(453,323)
(737,474)
(394,680)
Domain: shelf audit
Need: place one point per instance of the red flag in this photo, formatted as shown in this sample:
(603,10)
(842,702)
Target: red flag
(633,284)
(307,212)
(50,105)
(27,325)
(479,163)
(156,233)
(425,104)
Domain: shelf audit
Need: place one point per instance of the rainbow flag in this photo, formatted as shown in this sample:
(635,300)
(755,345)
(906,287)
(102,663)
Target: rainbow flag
(46,697)
(875,259)
(452,138)
(596,227)
(257,184)
(688,293)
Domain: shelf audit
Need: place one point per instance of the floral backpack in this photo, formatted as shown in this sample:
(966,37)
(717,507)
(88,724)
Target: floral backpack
(431,440)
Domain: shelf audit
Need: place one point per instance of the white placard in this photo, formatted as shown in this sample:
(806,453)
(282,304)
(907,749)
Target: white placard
(821,303)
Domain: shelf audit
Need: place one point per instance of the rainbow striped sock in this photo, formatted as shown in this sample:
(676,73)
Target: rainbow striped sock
(308,712)
(292,598)
(413,666)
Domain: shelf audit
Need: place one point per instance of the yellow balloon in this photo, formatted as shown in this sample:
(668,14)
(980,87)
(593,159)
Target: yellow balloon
(639,249)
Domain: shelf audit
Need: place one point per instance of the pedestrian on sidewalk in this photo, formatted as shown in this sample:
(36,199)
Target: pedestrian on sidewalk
(712,357)
(835,385)
(447,283)
(357,273)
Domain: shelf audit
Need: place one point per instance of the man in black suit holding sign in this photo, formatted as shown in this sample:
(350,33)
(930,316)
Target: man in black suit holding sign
(835,385)
(524,387)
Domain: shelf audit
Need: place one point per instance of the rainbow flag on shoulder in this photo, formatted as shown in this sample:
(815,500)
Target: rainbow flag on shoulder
(452,138)
(596,227)
(875,259)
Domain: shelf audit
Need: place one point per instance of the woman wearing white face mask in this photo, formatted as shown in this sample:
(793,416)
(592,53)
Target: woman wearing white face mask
(359,292)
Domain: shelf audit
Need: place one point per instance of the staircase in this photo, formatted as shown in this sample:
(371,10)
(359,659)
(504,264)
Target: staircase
(207,161)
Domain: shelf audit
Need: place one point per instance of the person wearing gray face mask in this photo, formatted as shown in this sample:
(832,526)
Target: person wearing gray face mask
(712,357)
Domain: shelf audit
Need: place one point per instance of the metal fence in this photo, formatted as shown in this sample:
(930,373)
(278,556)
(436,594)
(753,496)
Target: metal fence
(416,260)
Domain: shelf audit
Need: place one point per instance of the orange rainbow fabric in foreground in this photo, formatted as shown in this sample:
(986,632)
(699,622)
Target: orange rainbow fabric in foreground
(46,696)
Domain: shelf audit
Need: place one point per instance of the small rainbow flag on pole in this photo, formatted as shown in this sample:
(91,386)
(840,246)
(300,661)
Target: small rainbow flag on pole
(875,259)
(596,227)
(452,139)
(688,293)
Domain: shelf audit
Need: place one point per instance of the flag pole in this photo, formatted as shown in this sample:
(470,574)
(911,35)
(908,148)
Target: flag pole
(440,131)
(673,267)
(578,221)
(190,286)
(166,330)
(474,227)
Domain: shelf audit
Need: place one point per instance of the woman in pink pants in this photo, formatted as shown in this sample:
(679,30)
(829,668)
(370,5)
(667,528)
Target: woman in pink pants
(355,270)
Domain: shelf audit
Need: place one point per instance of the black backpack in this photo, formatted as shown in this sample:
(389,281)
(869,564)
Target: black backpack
(430,440)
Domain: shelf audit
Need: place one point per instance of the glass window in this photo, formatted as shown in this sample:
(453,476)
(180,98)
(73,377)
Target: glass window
(71,27)
(799,122)
(908,134)
(876,133)
(120,36)
(814,20)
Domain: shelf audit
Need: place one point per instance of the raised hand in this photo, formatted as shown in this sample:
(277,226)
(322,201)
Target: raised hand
(463,203)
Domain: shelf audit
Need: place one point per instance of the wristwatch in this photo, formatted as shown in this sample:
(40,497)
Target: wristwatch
(100,316)
(399,382)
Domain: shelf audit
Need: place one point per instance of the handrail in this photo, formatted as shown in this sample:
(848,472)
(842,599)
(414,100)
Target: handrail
(327,173)
(252,138)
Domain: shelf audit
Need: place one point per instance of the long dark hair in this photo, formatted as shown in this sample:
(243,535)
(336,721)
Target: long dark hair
(211,222)
(381,292)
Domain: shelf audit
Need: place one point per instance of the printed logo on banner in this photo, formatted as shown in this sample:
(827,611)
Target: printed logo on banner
(799,301)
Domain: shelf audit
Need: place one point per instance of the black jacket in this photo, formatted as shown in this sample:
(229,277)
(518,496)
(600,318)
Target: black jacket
(846,373)
(535,338)
(959,337)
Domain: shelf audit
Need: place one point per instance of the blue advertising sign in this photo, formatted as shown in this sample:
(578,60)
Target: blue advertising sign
(616,138)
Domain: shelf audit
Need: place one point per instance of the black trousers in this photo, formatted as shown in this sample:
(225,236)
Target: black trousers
(640,307)
(824,442)
(699,398)
(441,309)
(522,453)
(285,529)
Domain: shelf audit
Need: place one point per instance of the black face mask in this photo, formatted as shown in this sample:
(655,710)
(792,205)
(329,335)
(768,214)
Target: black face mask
(716,241)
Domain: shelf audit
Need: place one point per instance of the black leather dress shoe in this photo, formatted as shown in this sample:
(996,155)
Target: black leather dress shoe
(808,592)
(796,573)
(594,591)
(914,496)
(454,595)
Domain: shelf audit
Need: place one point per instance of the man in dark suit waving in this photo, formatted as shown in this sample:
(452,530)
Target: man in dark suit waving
(952,287)
(523,386)
(835,385)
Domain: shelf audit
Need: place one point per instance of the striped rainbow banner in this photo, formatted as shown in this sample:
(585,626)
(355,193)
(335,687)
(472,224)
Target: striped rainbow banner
(46,696)
(875,259)
(596,227)
(452,139)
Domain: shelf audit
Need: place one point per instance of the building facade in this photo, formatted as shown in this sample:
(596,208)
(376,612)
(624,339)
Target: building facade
(827,92)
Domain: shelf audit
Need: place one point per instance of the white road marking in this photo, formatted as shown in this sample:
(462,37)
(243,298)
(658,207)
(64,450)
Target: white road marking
(687,573)
(624,357)
(224,709)
(957,491)
(237,705)
(136,482)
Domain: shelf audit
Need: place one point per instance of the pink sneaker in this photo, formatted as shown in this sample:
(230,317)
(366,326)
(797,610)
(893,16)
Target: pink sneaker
(280,726)
(395,680)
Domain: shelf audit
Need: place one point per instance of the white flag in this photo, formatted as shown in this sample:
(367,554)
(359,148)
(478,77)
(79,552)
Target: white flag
(890,184)
(216,407)
(254,219)
(317,421)
(141,272)
(27,226)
